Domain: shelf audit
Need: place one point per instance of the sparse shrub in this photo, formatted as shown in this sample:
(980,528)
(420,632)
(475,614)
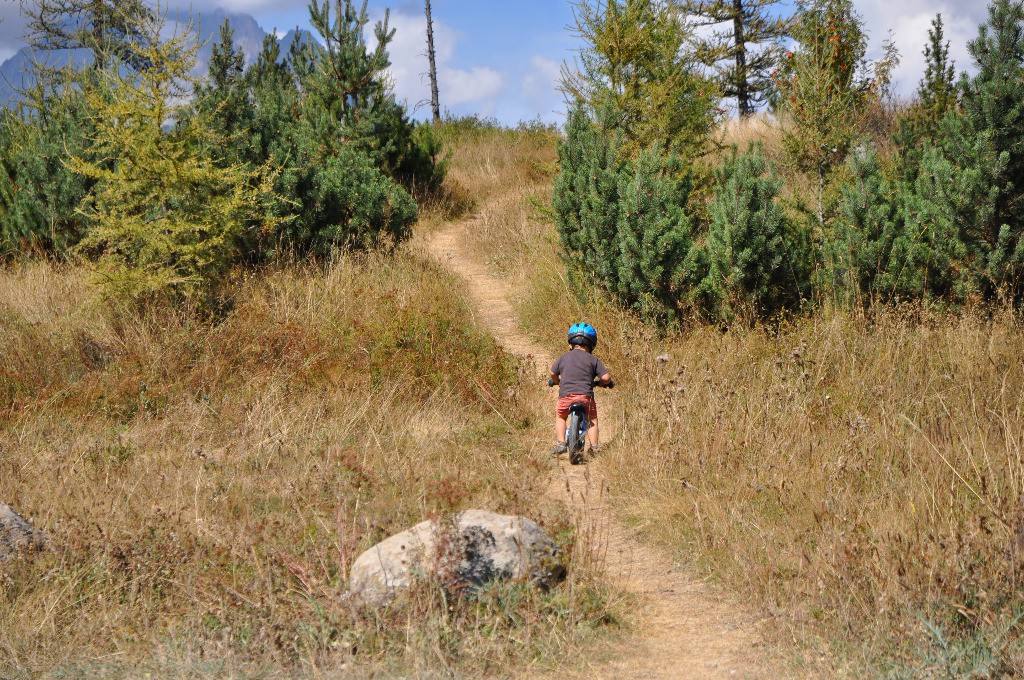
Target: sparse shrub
(825,86)
(638,74)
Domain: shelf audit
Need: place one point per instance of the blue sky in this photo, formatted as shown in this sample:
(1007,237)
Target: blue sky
(501,58)
(496,59)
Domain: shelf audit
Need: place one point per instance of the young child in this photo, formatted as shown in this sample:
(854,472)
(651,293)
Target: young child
(574,373)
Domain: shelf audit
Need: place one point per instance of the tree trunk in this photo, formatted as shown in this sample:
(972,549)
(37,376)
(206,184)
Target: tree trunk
(98,35)
(740,45)
(821,193)
(435,104)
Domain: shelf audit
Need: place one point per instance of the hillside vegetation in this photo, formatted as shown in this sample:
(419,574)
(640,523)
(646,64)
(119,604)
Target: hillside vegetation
(855,476)
(229,365)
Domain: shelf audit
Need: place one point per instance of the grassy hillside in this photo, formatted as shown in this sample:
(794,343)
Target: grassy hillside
(855,477)
(858,476)
(206,483)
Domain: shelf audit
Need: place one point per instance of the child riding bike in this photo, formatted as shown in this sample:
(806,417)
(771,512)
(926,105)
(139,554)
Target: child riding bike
(575,372)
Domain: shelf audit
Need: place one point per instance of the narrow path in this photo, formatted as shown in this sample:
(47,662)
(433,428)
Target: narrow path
(686,628)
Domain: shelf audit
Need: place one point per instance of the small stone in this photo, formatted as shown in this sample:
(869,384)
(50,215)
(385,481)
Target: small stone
(16,534)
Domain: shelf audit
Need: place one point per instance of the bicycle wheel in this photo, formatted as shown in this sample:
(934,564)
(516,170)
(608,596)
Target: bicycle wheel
(574,433)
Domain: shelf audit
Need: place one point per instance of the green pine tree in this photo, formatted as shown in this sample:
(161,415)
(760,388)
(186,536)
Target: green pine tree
(324,115)
(623,223)
(586,200)
(936,96)
(858,258)
(993,107)
(936,93)
(348,97)
(164,217)
(757,263)
(39,194)
(224,98)
(929,257)
(653,235)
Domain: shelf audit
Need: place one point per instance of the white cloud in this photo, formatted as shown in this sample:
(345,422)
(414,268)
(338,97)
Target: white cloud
(480,86)
(909,22)
(244,6)
(539,88)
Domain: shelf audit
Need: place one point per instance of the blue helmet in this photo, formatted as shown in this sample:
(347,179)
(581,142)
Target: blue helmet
(583,334)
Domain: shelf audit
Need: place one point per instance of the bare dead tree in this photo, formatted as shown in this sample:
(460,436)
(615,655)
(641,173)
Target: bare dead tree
(435,103)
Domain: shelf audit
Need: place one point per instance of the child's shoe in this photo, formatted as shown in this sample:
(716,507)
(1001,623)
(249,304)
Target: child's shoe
(594,451)
(559,449)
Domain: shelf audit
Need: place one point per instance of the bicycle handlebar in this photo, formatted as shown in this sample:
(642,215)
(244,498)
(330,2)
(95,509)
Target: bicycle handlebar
(597,383)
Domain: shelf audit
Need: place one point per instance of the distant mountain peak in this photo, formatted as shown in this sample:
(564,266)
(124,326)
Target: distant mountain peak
(16,72)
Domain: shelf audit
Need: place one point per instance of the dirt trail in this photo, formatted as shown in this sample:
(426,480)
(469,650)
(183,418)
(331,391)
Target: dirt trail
(687,628)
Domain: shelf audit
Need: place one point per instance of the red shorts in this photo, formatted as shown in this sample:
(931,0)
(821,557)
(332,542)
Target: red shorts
(565,402)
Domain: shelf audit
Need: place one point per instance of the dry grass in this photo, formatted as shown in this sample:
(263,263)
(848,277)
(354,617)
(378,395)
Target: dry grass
(760,129)
(509,173)
(856,477)
(205,485)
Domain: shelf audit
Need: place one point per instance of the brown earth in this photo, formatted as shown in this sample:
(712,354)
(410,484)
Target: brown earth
(684,626)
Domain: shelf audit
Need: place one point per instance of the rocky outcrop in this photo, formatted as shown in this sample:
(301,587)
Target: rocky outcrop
(17,534)
(472,548)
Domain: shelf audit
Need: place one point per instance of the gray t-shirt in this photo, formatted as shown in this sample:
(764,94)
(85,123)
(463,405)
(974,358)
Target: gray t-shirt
(577,369)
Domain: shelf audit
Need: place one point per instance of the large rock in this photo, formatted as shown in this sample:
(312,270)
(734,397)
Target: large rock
(470,549)
(17,534)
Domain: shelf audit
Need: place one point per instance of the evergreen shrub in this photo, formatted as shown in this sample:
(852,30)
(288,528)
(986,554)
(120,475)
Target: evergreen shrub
(757,261)
(39,193)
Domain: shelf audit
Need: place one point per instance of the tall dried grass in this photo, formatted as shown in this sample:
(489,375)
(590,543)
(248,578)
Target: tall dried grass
(761,128)
(206,484)
(860,478)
